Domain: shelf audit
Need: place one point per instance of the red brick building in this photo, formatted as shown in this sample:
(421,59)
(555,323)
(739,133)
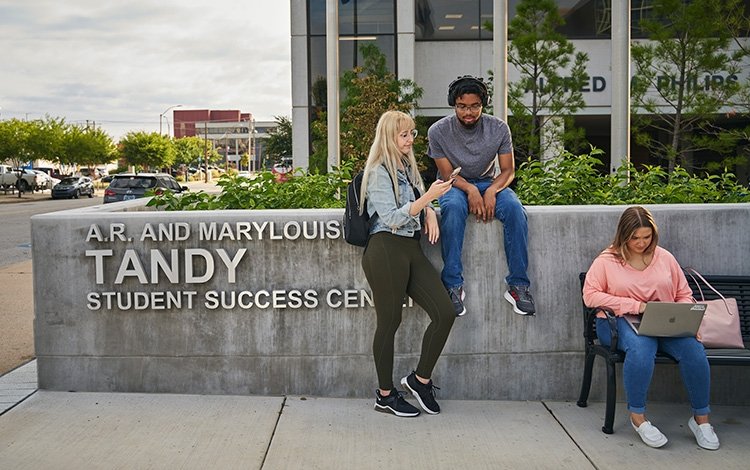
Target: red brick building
(185,121)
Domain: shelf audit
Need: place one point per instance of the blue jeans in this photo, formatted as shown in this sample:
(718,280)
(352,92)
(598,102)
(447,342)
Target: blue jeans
(454,211)
(639,364)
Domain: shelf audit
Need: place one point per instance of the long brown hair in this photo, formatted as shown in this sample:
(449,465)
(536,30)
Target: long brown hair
(631,220)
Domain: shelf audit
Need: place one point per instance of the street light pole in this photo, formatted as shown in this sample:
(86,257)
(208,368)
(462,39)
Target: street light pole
(165,112)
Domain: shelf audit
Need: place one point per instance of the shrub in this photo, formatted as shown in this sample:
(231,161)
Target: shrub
(301,191)
(566,180)
(578,180)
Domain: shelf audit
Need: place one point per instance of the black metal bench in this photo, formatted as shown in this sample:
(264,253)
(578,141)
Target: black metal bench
(730,286)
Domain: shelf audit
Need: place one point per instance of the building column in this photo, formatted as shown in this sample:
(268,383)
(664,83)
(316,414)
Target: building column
(300,93)
(405,39)
(620,121)
(500,58)
(332,78)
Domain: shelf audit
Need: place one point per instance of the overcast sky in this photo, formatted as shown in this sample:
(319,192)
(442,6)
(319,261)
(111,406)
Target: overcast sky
(122,63)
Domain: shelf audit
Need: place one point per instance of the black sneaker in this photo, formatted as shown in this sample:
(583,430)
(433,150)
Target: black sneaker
(395,404)
(424,393)
(521,300)
(457,296)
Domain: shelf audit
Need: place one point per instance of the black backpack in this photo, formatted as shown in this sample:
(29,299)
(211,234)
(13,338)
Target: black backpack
(356,225)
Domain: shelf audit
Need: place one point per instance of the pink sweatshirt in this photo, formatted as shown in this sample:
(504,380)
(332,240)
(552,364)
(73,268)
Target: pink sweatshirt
(610,283)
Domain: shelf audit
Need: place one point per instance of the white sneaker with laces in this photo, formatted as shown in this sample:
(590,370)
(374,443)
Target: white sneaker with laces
(650,434)
(704,434)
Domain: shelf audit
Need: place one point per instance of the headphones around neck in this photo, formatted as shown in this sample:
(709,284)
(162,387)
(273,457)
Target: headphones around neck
(463,80)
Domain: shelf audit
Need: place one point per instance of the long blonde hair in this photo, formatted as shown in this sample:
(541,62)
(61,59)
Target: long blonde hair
(631,220)
(384,151)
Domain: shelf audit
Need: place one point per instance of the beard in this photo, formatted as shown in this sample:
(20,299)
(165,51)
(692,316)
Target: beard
(467,125)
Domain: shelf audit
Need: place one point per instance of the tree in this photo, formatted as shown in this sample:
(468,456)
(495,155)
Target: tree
(279,142)
(552,75)
(369,90)
(86,147)
(189,150)
(15,138)
(46,138)
(147,150)
(684,75)
(25,141)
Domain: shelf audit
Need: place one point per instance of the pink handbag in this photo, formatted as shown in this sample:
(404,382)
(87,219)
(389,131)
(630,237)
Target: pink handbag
(720,327)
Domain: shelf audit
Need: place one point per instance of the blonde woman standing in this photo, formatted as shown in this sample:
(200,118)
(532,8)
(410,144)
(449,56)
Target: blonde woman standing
(395,265)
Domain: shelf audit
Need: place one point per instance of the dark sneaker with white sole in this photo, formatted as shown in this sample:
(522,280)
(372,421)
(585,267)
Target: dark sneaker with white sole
(457,296)
(521,300)
(424,393)
(395,404)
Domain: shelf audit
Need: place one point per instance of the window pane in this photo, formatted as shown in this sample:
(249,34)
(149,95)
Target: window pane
(349,55)
(367,17)
(355,17)
(447,19)
(317,16)
(460,20)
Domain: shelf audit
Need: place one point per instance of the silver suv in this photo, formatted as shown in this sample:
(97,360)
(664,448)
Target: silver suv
(127,186)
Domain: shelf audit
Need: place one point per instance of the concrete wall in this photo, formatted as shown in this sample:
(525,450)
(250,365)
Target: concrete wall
(323,348)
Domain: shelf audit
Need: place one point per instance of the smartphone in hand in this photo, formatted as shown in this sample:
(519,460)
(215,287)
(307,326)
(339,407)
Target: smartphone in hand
(455,173)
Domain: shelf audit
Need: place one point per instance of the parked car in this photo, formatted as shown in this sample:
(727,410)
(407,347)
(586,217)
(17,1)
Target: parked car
(73,187)
(53,172)
(127,186)
(45,180)
(29,180)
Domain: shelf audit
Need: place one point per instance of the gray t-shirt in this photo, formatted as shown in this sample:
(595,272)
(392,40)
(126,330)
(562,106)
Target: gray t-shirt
(475,150)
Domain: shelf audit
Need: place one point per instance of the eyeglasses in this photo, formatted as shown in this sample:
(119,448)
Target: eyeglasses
(412,133)
(463,108)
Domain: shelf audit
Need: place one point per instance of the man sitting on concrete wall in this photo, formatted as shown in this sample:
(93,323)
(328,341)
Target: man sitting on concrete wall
(473,142)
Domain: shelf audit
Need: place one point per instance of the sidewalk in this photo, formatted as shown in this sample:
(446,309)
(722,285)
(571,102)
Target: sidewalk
(64,430)
(16,316)
(10,198)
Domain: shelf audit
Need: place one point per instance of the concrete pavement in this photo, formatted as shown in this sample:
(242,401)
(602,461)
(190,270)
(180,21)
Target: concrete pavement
(16,315)
(114,430)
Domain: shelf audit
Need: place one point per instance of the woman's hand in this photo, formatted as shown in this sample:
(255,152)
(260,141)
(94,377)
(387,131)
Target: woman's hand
(431,226)
(438,188)
(642,307)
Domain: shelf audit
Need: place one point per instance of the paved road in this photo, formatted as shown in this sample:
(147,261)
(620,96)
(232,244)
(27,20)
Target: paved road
(15,222)
(15,215)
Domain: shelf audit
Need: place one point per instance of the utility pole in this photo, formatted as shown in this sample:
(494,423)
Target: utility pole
(205,130)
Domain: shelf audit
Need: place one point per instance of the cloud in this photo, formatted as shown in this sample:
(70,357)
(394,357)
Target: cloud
(124,63)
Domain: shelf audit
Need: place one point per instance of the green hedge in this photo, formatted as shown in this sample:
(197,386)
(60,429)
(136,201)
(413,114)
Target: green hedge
(567,180)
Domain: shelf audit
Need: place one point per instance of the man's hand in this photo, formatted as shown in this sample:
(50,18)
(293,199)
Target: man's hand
(476,203)
(490,199)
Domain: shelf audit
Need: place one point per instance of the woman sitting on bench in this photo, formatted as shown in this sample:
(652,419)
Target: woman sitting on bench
(632,271)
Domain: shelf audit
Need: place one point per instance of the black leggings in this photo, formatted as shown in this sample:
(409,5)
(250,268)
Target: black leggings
(395,266)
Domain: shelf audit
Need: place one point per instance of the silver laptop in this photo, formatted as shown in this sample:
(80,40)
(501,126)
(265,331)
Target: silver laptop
(668,319)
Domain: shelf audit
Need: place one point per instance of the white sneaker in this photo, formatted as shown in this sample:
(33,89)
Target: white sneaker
(650,434)
(704,434)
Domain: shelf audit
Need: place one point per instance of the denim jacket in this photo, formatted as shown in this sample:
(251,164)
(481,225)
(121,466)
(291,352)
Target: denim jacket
(391,217)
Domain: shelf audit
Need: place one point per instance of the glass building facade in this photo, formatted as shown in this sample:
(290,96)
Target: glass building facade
(433,41)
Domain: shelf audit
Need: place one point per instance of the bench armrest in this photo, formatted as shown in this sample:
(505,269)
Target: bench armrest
(611,319)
